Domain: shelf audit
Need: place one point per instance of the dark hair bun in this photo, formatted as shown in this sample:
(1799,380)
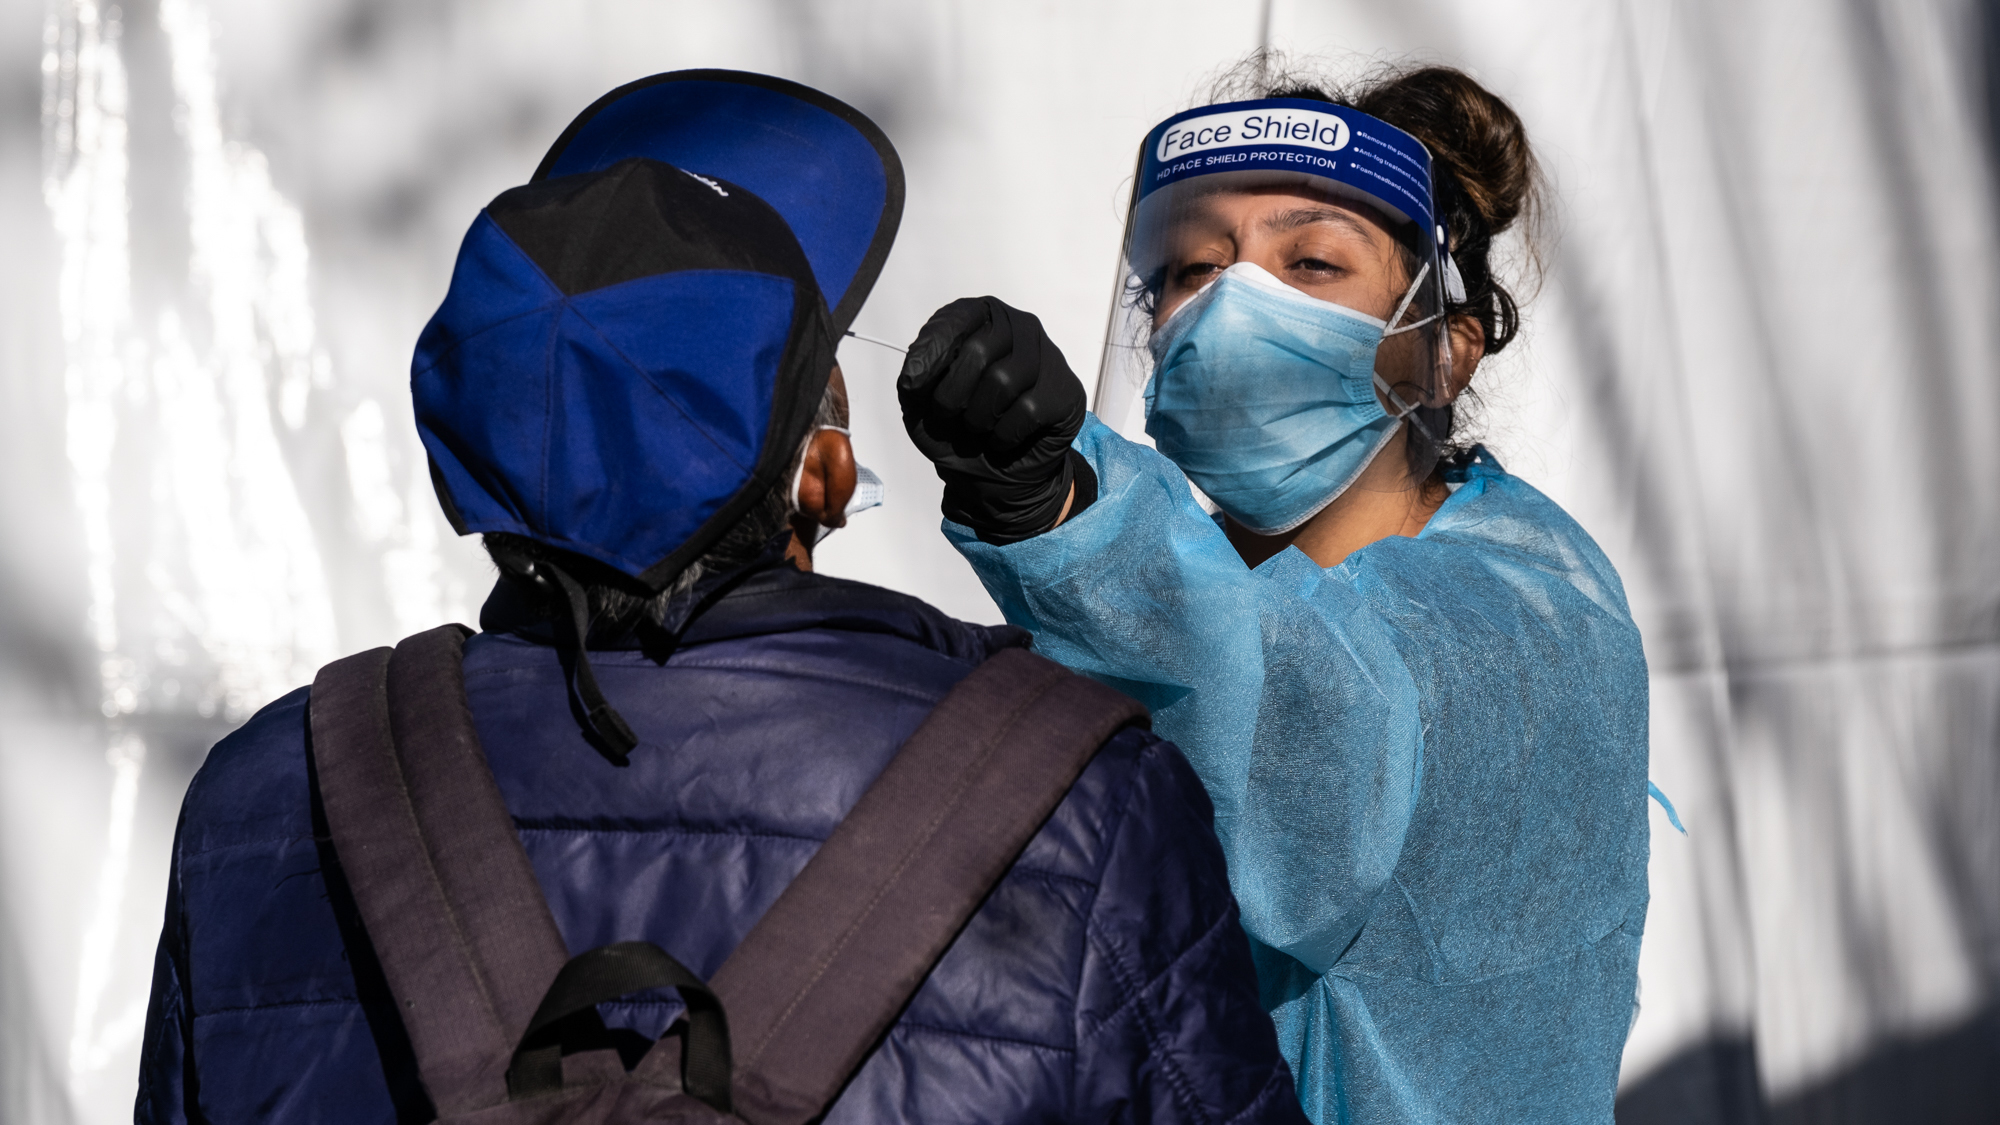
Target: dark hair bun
(1477,137)
(1486,176)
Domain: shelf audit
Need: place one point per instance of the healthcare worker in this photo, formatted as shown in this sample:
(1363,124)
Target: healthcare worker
(1409,681)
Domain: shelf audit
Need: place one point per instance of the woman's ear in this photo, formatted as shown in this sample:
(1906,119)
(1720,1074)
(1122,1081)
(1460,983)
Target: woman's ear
(826,478)
(1468,347)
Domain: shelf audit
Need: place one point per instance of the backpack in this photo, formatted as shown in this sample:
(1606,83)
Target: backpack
(503,1021)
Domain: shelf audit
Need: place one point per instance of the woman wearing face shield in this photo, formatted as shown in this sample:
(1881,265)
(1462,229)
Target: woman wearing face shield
(1409,681)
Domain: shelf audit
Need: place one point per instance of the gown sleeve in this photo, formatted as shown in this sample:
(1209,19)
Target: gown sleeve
(1283,688)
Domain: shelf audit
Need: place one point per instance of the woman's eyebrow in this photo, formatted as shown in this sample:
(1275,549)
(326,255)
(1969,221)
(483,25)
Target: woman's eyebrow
(1306,216)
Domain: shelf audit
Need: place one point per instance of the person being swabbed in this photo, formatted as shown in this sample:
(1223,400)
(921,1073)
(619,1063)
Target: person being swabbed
(669,721)
(1409,681)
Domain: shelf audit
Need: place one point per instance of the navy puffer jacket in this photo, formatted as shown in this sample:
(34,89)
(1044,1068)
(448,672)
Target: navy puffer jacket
(1106,979)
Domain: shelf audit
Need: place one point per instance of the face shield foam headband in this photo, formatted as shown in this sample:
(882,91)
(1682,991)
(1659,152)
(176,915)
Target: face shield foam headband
(1313,149)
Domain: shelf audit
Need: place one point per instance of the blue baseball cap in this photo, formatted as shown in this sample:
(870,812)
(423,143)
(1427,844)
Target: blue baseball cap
(827,169)
(634,344)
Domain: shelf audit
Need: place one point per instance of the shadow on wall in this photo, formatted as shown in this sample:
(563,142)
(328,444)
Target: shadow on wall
(1951,1078)
(1947,1078)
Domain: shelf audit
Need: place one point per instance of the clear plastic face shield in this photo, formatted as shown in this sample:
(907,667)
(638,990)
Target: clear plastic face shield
(1335,206)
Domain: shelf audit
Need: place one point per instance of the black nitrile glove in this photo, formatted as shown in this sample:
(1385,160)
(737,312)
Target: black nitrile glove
(989,399)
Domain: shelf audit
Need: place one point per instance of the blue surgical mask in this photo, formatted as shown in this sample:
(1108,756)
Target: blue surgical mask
(1265,397)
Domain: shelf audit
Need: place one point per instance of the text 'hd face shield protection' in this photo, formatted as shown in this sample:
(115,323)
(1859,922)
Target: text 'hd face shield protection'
(1326,329)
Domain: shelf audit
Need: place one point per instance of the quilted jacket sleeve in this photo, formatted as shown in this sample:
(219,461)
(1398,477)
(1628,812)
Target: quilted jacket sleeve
(166,1093)
(1169,1026)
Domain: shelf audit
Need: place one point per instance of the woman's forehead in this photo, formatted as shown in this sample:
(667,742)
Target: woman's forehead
(1278,210)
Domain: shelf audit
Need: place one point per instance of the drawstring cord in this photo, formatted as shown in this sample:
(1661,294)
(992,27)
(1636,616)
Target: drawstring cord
(614,735)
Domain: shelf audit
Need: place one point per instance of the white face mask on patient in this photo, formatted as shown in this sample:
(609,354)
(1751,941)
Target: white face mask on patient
(869,490)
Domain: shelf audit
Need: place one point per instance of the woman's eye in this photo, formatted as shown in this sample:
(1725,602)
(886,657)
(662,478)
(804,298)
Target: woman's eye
(1194,273)
(1315,265)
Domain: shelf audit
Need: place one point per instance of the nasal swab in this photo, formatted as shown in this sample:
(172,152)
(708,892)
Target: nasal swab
(879,343)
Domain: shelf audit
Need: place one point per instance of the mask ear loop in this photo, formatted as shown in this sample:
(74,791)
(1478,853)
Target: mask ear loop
(1405,410)
(1409,295)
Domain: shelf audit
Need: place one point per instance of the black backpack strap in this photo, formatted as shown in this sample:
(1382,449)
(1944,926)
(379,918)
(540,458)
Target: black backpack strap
(443,886)
(469,948)
(828,969)
(568,1016)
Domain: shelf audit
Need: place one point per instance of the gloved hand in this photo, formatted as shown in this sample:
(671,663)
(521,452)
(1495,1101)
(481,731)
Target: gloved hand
(989,399)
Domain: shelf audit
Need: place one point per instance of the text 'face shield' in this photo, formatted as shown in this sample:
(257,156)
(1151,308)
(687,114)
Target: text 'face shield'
(1333,203)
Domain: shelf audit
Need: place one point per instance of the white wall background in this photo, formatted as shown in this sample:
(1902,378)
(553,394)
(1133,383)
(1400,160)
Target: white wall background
(1761,371)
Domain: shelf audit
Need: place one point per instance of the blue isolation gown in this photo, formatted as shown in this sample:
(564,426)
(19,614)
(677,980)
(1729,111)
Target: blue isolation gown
(1428,766)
